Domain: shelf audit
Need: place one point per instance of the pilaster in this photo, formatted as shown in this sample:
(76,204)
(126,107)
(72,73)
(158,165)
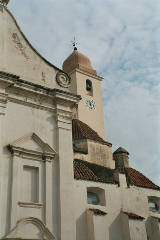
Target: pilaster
(3,105)
(48,193)
(16,181)
(67,227)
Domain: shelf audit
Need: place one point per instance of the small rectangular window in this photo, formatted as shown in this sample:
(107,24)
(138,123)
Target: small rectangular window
(96,196)
(154,204)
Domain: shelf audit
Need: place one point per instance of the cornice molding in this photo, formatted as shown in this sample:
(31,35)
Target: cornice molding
(46,154)
(35,87)
(30,204)
(30,102)
(3,103)
(13,84)
(30,154)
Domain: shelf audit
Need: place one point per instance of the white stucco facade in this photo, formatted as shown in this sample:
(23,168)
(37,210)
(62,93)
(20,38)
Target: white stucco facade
(41,195)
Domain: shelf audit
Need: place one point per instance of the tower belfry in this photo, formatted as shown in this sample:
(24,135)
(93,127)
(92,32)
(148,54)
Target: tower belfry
(87,83)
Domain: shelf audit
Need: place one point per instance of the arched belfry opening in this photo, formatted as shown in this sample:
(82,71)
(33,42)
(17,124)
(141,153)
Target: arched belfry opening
(89,87)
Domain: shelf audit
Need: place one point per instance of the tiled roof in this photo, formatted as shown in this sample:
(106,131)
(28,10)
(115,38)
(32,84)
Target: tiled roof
(84,170)
(133,216)
(97,212)
(138,179)
(81,130)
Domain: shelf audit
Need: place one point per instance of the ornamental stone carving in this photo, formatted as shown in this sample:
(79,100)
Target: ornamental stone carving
(4,2)
(63,79)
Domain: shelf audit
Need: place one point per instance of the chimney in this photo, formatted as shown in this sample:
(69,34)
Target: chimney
(121,157)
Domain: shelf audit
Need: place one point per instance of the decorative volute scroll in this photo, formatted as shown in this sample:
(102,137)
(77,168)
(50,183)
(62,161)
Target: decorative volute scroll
(30,228)
(33,147)
(4,2)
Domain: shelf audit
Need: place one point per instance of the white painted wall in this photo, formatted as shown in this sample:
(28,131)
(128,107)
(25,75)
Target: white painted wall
(99,227)
(137,230)
(133,199)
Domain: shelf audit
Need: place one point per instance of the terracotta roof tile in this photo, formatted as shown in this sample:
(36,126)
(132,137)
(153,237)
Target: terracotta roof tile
(81,130)
(133,216)
(84,170)
(138,179)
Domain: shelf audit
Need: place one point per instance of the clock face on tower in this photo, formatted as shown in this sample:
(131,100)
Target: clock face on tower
(90,104)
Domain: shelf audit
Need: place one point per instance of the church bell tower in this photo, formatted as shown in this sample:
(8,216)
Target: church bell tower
(87,83)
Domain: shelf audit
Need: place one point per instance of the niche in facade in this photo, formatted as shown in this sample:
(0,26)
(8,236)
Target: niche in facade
(96,196)
(31,184)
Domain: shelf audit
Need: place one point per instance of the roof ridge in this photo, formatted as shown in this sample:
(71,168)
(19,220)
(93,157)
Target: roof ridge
(145,181)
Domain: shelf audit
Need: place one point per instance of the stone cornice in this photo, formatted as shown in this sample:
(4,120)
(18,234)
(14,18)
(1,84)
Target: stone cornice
(22,92)
(36,87)
(30,154)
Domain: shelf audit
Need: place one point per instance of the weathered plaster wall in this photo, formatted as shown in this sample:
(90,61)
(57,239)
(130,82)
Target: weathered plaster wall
(137,230)
(98,153)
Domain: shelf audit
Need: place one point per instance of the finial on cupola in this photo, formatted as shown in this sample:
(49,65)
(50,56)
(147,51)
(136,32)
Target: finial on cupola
(74,43)
(4,2)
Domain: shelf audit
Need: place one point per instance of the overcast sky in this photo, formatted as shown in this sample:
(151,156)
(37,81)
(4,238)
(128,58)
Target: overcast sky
(122,39)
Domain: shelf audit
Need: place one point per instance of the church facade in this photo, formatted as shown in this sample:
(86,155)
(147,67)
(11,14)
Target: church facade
(58,176)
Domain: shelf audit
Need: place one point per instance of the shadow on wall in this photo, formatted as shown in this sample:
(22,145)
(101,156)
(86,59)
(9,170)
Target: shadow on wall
(81,227)
(119,229)
(8,157)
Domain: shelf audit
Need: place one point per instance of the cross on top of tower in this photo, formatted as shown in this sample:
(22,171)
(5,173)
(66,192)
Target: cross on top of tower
(74,43)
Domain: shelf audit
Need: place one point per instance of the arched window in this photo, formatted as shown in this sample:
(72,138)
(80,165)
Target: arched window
(88,85)
(92,198)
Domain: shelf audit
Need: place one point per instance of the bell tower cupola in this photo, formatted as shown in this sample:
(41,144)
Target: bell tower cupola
(79,61)
(87,83)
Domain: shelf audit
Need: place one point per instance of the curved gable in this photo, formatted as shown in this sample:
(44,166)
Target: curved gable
(19,57)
